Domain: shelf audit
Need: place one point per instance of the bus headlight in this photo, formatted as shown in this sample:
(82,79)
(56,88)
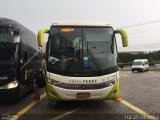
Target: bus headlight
(111,82)
(10,85)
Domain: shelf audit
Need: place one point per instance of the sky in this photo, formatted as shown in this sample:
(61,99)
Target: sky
(37,14)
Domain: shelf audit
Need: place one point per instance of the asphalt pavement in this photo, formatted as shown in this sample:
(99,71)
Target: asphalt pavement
(139,96)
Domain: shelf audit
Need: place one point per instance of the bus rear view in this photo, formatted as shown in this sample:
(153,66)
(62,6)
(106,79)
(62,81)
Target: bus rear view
(81,61)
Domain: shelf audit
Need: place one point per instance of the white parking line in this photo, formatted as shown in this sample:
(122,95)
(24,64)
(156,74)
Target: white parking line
(64,114)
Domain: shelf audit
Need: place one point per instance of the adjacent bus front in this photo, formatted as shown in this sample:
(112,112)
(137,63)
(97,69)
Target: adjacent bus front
(81,63)
(9,47)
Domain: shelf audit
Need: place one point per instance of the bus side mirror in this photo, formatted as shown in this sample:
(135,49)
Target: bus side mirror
(16,33)
(40,37)
(124,36)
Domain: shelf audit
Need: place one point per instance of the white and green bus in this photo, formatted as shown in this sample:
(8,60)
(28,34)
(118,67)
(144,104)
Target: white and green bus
(81,60)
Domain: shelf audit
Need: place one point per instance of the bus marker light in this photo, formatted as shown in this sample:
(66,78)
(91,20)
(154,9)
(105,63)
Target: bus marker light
(67,29)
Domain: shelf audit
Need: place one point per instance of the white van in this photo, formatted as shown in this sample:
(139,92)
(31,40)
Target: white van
(140,65)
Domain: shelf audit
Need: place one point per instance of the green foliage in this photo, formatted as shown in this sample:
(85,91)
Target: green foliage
(127,58)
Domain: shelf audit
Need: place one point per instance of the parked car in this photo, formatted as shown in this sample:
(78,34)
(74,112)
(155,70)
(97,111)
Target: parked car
(140,65)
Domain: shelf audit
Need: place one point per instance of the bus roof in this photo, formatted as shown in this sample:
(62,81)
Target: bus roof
(25,33)
(79,23)
(6,22)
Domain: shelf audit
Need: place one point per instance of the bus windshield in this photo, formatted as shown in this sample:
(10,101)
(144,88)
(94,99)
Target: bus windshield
(6,46)
(82,49)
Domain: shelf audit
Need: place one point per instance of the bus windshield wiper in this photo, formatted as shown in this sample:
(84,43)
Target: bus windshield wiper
(94,60)
(112,45)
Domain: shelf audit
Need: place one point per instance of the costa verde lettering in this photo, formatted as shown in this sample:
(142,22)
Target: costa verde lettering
(82,81)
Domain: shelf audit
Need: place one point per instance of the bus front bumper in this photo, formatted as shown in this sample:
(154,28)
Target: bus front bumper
(8,94)
(56,93)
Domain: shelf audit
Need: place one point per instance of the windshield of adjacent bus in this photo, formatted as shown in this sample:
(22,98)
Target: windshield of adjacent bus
(6,46)
(84,49)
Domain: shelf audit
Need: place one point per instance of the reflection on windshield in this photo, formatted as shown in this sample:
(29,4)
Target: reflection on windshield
(6,46)
(81,49)
(6,53)
(6,35)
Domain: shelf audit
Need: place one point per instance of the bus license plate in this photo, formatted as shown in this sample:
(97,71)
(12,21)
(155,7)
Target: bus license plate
(83,95)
